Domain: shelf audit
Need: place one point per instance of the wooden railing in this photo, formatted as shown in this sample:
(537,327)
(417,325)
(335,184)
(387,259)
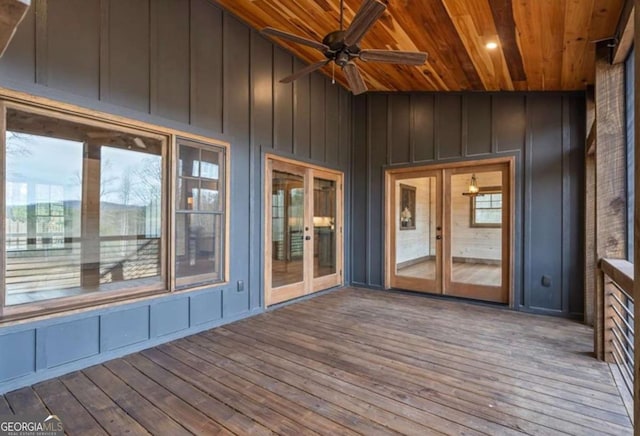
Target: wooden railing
(616,320)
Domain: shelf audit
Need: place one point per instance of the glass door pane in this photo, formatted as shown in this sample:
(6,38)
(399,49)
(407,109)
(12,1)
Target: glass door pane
(416,228)
(324,227)
(476,229)
(287,228)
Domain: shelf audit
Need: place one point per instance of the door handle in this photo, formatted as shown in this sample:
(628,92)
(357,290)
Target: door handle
(438,237)
(307,238)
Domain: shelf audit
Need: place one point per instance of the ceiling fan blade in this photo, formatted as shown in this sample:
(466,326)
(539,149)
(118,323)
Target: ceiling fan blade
(394,56)
(369,12)
(306,70)
(356,83)
(295,38)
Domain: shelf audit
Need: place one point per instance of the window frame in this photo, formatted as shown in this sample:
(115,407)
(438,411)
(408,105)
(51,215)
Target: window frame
(472,208)
(71,304)
(200,280)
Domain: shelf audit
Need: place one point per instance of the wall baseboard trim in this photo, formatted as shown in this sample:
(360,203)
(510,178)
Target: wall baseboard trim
(77,365)
(457,259)
(411,262)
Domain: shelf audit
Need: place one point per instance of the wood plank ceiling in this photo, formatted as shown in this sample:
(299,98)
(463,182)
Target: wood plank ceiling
(543,45)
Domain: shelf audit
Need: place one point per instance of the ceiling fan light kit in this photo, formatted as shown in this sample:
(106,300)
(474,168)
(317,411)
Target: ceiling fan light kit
(342,47)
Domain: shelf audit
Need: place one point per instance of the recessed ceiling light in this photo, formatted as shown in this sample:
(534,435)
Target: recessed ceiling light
(492,45)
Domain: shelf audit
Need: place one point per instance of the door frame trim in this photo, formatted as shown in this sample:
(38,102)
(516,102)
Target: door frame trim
(389,173)
(266,228)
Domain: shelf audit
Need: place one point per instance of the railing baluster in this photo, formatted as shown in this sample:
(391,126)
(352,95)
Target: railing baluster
(627,374)
(615,323)
(619,301)
(622,345)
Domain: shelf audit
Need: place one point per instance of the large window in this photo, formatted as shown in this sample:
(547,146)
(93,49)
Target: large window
(83,208)
(200,205)
(86,216)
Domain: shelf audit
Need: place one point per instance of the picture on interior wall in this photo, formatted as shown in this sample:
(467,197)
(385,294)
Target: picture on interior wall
(407,207)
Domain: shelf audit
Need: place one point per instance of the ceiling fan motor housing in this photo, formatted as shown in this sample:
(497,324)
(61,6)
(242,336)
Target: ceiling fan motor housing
(338,50)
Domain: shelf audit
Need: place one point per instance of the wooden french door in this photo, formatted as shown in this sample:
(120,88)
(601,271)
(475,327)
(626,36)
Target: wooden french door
(416,236)
(303,229)
(444,238)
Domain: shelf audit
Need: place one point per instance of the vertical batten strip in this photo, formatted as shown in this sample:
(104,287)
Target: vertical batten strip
(3,232)
(103,69)
(42,52)
(636,234)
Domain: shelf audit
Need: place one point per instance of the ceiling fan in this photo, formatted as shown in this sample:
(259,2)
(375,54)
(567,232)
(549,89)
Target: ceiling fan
(342,47)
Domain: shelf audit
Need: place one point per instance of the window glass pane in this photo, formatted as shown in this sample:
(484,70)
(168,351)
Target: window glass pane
(198,246)
(188,194)
(209,196)
(487,209)
(287,258)
(130,214)
(42,252)
(475,230)
(210,165)
(324,227)
(83,209)
(189,161)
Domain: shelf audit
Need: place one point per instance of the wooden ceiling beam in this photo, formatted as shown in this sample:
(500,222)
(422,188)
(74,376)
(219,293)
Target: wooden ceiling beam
(624,33)
(502,11)
(11,14)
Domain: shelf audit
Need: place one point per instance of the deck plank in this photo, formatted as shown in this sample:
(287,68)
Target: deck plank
(143,411)
(426,386)
(253,402)
(378,363)
(217,410)
(104,410)
(485,360)
(74,417)
(399,401)
(25,400)
(387,410)
(180,411)
(5,410)
(447,362)
(350,362)
(281,388)
(198,345)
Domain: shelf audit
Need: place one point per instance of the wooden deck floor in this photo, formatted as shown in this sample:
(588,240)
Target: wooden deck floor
(350,362)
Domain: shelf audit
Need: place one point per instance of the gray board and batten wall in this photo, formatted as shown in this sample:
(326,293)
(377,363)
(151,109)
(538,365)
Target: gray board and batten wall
(545,133)
(189,65)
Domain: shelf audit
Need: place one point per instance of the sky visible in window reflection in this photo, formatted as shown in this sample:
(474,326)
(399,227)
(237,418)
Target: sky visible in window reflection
(48,161)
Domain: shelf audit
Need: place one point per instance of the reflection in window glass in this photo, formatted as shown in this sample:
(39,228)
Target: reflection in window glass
(83,209)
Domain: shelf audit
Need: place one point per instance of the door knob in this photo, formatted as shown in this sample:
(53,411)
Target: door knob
(307,238)
(438,237)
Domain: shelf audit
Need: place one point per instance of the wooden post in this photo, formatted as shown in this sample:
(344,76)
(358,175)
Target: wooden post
(636,236)
(590,259)
(11,14)
(598,342)
(610,181)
